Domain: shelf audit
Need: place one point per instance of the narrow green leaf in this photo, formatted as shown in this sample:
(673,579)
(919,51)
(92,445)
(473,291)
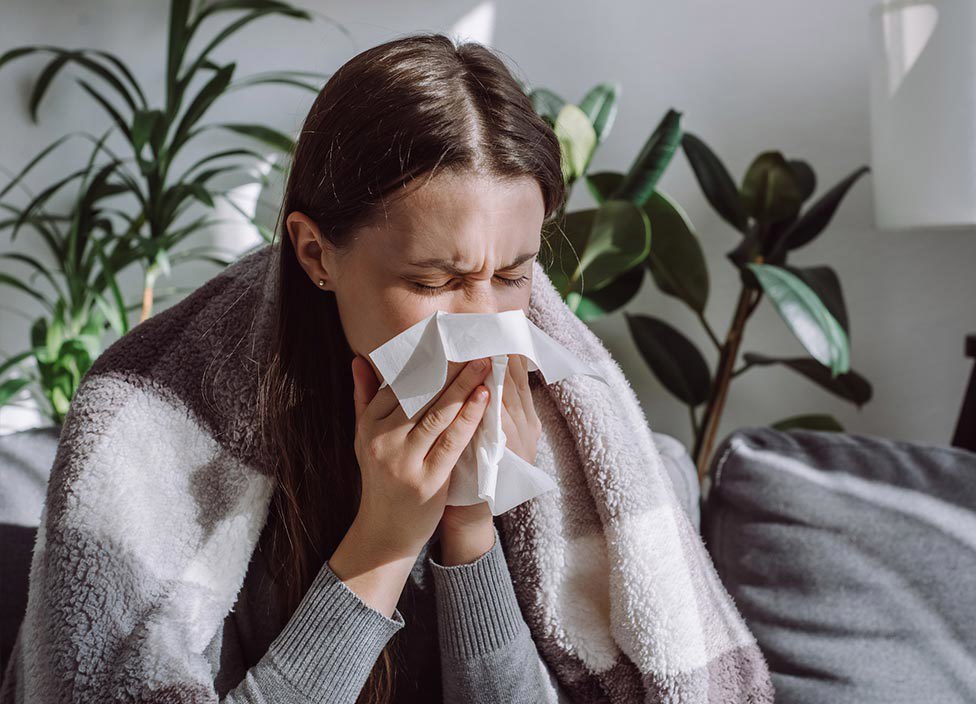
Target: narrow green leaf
(268,135)
(673,358)
(11,387)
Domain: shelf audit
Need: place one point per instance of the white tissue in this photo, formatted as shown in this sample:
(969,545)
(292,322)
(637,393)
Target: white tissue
(414,365)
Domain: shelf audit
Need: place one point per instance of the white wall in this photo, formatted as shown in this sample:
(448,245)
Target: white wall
(748,76)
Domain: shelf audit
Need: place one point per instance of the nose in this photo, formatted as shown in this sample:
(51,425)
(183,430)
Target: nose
(477,298)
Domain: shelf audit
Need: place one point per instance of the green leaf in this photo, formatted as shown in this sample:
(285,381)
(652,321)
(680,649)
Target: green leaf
(577,140)
(769,191)
(546,103)
(598,246)
(600,106)
(825,283)
(673,358)
(642,177)
(676,260)
(11,387)
(603,184)
(805,314)
(715,182)
(268,135)
(850,386)
(619,240)
(820,422)
(804,176)
(818,216)
(592,305)
(212,90)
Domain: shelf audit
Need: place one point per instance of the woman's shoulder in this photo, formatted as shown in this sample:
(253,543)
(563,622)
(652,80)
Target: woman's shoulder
(199,356)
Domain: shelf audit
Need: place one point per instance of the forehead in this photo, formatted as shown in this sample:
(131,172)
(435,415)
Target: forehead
(461,215)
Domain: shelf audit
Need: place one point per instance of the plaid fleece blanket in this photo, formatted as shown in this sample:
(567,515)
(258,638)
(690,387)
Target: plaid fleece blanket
(159,492)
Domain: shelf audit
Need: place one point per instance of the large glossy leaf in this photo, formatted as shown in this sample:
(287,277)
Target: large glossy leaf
(715,182)
(673,358)
(619,240)
(546,103)
(805,177)
(849,386)
(641,179)
(825,283)
(603,183)
(577,140)
(813,421)
(805,314)
(769,190)
(600,107)
(592,305)
(676,260)
(816,218)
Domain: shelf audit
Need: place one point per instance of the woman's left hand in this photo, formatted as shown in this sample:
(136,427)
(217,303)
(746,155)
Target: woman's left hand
(466,530)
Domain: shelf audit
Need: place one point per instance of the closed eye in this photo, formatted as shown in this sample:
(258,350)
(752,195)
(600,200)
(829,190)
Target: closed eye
(434,290)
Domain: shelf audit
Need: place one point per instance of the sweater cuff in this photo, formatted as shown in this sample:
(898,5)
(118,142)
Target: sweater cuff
(477,611)
(333,639)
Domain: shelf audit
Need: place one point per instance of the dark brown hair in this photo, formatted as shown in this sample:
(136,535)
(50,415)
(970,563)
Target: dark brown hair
(404,109)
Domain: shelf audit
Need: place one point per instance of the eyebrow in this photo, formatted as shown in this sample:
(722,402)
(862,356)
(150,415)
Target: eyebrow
(450,267)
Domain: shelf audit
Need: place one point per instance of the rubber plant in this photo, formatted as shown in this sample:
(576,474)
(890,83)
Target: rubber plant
(601,255)
(598,255)
(155,136)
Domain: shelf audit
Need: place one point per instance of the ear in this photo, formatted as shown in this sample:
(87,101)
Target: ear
(315,254)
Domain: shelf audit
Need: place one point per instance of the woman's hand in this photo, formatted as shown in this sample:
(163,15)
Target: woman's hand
(406,463)
(467,532)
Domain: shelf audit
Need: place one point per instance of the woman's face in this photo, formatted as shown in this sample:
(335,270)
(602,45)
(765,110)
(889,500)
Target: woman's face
(461,244)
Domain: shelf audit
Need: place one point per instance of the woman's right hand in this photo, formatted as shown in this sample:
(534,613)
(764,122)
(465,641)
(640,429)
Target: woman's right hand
(406,463)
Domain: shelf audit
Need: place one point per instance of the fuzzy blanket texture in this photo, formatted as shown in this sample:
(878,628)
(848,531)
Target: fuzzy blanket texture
(159,492)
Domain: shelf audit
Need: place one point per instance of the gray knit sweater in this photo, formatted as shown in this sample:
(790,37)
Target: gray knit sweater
(458,636)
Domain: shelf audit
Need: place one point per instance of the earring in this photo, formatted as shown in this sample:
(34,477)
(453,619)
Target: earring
(321,282)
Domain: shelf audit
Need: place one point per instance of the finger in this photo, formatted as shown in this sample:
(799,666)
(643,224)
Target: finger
(446,407)
(511,399)
(522,382)
(368,398)
(449,445)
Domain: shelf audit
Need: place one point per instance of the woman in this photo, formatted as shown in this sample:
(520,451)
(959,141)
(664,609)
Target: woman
(238,513)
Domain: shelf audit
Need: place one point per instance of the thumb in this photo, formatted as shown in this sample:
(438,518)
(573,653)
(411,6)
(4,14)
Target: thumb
(365,384)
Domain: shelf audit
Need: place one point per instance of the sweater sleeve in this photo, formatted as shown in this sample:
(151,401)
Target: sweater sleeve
(324,653)
(487,651)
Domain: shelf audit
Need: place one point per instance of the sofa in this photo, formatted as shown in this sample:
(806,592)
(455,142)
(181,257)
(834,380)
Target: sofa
(852,559)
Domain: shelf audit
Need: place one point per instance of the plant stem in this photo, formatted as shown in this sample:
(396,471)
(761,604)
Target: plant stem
(705,440)
(711,333)
(149,283)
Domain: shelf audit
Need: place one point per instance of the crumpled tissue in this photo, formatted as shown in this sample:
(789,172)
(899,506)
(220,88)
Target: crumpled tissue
(414,364)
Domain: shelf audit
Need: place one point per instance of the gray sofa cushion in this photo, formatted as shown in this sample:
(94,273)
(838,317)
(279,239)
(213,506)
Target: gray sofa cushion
(853,559)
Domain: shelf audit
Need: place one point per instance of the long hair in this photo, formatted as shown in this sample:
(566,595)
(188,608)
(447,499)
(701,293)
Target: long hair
(401,110)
